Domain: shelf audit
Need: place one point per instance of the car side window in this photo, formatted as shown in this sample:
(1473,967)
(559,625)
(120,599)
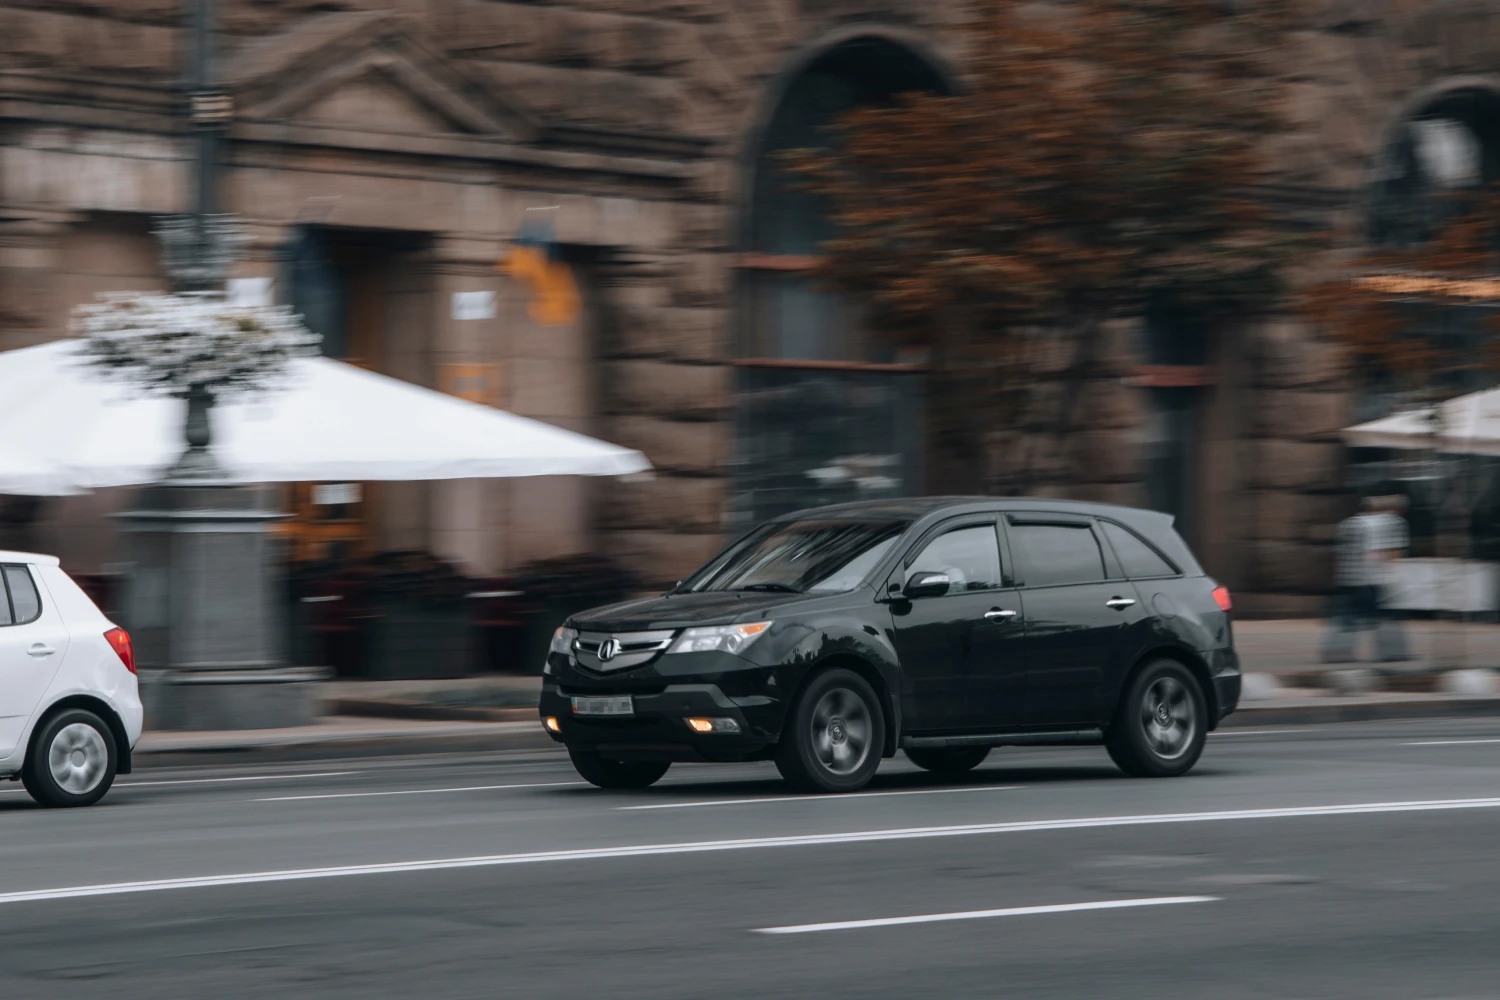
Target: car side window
(1051,554)
(969,555)
(25,604)
(1138,559)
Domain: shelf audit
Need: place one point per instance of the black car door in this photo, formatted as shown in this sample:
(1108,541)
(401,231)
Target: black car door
(1079,618)
(962,650)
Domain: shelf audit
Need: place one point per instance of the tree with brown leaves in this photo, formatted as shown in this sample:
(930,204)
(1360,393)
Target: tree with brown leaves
(1421,317)
(1103,155)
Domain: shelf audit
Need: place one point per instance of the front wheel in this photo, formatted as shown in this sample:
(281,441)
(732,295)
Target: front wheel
(833,736)
(607,773)
(72,760)
(948,760)
(1161,724)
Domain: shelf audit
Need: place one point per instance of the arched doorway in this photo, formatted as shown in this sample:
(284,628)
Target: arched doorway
(823,413)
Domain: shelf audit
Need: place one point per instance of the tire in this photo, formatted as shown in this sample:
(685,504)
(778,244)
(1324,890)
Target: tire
(1161,724)
(833,736)
(72,760)
(607,773)
(948,760)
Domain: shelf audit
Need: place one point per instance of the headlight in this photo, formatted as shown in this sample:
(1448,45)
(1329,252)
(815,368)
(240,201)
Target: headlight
(721,638)
(562,642)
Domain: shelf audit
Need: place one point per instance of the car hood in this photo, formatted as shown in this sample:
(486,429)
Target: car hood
(680,611)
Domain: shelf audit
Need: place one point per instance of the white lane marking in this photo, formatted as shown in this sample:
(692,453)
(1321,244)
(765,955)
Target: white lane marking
(212,781)
(252,777)
(700,847)
(1446,743)
(417,791)
(822,798)
(1011,911)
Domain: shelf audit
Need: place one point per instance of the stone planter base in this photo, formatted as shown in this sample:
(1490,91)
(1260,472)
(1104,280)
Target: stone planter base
(273,698)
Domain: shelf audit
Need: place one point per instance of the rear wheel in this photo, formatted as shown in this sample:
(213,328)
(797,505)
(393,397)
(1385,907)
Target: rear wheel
(1161,724)
(833,737)
(607,773)
(72,760)
(948,760)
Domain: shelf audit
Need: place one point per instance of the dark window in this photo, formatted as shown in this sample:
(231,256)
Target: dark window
(1138,560)
(970,557)
(814,438)
(25,602)
(1050,554)
(793,556)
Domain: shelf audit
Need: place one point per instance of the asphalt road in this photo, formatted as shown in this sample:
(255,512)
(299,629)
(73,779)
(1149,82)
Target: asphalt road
(1341,861)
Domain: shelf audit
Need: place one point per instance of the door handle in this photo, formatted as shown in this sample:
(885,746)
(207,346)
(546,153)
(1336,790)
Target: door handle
(40,649)
(1000,614)
(1119,603)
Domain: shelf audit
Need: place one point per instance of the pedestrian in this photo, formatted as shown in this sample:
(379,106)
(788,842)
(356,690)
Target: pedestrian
(1388,538)
(1353,604)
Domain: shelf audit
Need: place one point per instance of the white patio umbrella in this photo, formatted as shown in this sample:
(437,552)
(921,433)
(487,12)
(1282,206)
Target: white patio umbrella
(24,475)
(1465,425)
(75,428)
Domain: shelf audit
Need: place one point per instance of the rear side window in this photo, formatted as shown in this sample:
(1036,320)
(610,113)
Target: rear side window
(24,604)
(1138,560)
(1052,554)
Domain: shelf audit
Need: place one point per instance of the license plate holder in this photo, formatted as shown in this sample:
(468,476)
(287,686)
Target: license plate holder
(615,705)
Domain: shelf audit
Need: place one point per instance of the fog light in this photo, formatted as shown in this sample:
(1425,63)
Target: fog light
(713,725)
(551,724)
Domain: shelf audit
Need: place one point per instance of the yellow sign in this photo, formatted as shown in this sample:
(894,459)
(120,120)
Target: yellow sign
(554,296)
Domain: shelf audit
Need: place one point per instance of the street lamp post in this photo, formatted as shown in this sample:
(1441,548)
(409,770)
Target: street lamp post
(203,601)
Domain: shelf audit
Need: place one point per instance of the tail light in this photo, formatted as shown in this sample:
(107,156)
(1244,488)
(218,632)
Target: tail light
(1221,598)
(119,639)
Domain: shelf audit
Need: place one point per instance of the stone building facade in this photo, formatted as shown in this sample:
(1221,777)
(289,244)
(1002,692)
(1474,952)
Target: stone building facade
(396,146)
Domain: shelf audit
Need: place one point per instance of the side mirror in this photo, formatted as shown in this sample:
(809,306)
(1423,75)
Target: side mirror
(926,584)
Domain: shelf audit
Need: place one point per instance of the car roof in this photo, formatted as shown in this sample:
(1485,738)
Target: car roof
(27,557)
(1153,524)
(914,507)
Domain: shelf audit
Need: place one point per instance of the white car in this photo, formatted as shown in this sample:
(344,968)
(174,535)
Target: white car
(70,708)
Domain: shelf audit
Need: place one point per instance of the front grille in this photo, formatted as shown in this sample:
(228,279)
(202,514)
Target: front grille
(604,652)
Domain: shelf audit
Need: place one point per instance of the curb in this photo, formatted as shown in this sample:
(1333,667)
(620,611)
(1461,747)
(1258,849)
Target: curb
(1361,710)
(527,736)
(530,737)
(376,708)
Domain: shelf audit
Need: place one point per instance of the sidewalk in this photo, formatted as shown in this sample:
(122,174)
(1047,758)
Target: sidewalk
(1285,685)
(1290,646)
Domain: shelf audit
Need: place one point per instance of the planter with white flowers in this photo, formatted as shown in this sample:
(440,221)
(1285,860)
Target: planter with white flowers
(195,347)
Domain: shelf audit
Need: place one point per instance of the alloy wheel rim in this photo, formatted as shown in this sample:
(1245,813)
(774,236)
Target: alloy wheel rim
(77,758)
(841,731)
(1169,717)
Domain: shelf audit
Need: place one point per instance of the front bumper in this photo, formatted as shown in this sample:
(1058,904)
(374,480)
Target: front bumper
(658,730)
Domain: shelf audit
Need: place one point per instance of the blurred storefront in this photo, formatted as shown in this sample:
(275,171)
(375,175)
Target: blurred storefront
(385,154)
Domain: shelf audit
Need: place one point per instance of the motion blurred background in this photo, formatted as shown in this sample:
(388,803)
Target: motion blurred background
(796,253)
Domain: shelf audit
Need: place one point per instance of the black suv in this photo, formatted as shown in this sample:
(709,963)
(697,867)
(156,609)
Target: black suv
(828,639)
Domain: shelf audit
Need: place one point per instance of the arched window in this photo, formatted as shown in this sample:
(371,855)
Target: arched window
(1451,144)
(786,316)
(823,414)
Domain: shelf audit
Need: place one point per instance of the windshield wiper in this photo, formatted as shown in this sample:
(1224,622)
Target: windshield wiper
(778,588)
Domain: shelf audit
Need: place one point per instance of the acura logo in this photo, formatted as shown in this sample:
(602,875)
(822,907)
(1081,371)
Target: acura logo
(609,649)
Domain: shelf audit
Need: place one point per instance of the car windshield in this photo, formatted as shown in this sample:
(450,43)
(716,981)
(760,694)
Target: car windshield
(823,556)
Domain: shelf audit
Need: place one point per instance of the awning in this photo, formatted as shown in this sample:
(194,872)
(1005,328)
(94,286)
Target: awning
(68,427)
